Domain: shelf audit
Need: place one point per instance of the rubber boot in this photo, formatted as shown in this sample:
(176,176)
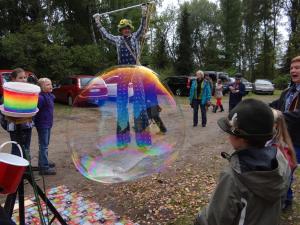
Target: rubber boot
(215,109)
(221,108)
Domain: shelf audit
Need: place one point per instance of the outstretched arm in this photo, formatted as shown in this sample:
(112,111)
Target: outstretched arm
(141,30)
(105,35)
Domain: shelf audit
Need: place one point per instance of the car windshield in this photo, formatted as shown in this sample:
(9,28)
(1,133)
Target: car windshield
(84,81)
(6,77)
(244,80)
(263,82)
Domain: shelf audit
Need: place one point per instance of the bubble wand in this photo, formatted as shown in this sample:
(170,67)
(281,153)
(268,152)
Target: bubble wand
(123,9)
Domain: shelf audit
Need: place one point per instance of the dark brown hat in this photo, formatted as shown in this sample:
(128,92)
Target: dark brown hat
(238,76)
(251,118)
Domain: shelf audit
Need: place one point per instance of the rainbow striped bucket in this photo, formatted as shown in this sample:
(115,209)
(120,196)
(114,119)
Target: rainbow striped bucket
(20,99)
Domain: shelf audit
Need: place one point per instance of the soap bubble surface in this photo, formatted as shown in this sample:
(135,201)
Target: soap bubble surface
(128,126)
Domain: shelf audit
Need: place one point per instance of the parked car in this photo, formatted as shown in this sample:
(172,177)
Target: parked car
(214,75)
(83,89)
(248,85)
(179,85)
(263,86)
(111,83)
(5,77)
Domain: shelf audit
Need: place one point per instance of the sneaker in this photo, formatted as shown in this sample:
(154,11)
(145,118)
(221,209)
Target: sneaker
(122,147)
(50,171)
(143,149)
(51,164)
(286,206)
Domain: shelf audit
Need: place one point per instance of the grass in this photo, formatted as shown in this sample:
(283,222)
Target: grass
(185,100)
(277,93)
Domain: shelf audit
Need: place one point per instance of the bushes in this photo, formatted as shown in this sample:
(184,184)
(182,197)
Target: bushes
(281,82)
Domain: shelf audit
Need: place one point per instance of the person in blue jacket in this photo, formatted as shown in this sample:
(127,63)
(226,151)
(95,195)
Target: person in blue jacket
(237,91)
(200,95)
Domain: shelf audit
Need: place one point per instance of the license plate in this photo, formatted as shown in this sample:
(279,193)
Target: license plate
(95,90)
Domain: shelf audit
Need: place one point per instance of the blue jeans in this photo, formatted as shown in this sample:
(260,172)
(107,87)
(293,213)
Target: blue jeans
(297,150)
(289,194)
(23,138)
(44,139)
(196,103)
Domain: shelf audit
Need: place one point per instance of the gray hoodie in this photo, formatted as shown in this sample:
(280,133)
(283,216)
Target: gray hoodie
(249,190)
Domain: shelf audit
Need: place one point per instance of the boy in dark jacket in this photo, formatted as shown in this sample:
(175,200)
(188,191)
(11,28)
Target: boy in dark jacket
(250,189)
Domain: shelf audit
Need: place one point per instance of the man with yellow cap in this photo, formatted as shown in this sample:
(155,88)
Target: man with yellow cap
(128,43)
(128,50)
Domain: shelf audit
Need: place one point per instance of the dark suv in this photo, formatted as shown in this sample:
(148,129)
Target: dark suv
(178,85)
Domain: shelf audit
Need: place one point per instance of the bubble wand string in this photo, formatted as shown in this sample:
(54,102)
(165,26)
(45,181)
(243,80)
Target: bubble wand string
(123,9)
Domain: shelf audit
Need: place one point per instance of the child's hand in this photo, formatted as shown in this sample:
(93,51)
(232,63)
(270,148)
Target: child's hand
(19,120)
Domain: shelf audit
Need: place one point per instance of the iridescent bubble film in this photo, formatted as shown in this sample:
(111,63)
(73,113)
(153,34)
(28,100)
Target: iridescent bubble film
(128,125)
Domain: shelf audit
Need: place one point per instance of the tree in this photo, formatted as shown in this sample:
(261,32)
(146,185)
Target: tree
(293,50)
(251,27)
(231,24)
(205,33)
(159,55)
(184,62)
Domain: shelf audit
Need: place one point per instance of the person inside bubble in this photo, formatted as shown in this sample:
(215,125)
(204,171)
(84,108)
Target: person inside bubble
(153,107)
(128,52)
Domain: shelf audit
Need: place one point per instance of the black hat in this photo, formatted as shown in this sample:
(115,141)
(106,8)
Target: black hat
(251,118)
(238,76)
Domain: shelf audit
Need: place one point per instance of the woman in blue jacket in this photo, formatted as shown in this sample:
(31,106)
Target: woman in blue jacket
(200,95)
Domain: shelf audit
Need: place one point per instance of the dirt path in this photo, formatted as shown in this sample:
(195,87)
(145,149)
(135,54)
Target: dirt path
(172,197)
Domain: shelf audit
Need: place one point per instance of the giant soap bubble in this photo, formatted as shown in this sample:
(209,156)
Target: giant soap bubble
(136,128)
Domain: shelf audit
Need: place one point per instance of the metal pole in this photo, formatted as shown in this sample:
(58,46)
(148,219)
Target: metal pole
(119,10)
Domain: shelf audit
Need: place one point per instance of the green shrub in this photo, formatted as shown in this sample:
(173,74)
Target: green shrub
(281,82)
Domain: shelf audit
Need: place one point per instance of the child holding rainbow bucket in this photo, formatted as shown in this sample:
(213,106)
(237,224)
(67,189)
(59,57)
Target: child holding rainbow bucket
(43,121)
(25,124)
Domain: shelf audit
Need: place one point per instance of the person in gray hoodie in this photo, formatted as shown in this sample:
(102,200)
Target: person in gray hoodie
(249,191)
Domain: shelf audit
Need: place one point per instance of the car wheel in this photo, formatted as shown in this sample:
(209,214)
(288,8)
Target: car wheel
(70,100)
(178,92)
(272,93)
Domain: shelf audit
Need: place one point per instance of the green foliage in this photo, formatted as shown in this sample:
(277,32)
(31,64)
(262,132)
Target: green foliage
(294,38)
(205,33)
(184,61)
(281,82)
(231,25)
(23,49)
(57,38)
(265,63)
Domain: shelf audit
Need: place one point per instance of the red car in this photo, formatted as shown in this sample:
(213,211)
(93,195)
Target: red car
(79,90)
(5,76)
